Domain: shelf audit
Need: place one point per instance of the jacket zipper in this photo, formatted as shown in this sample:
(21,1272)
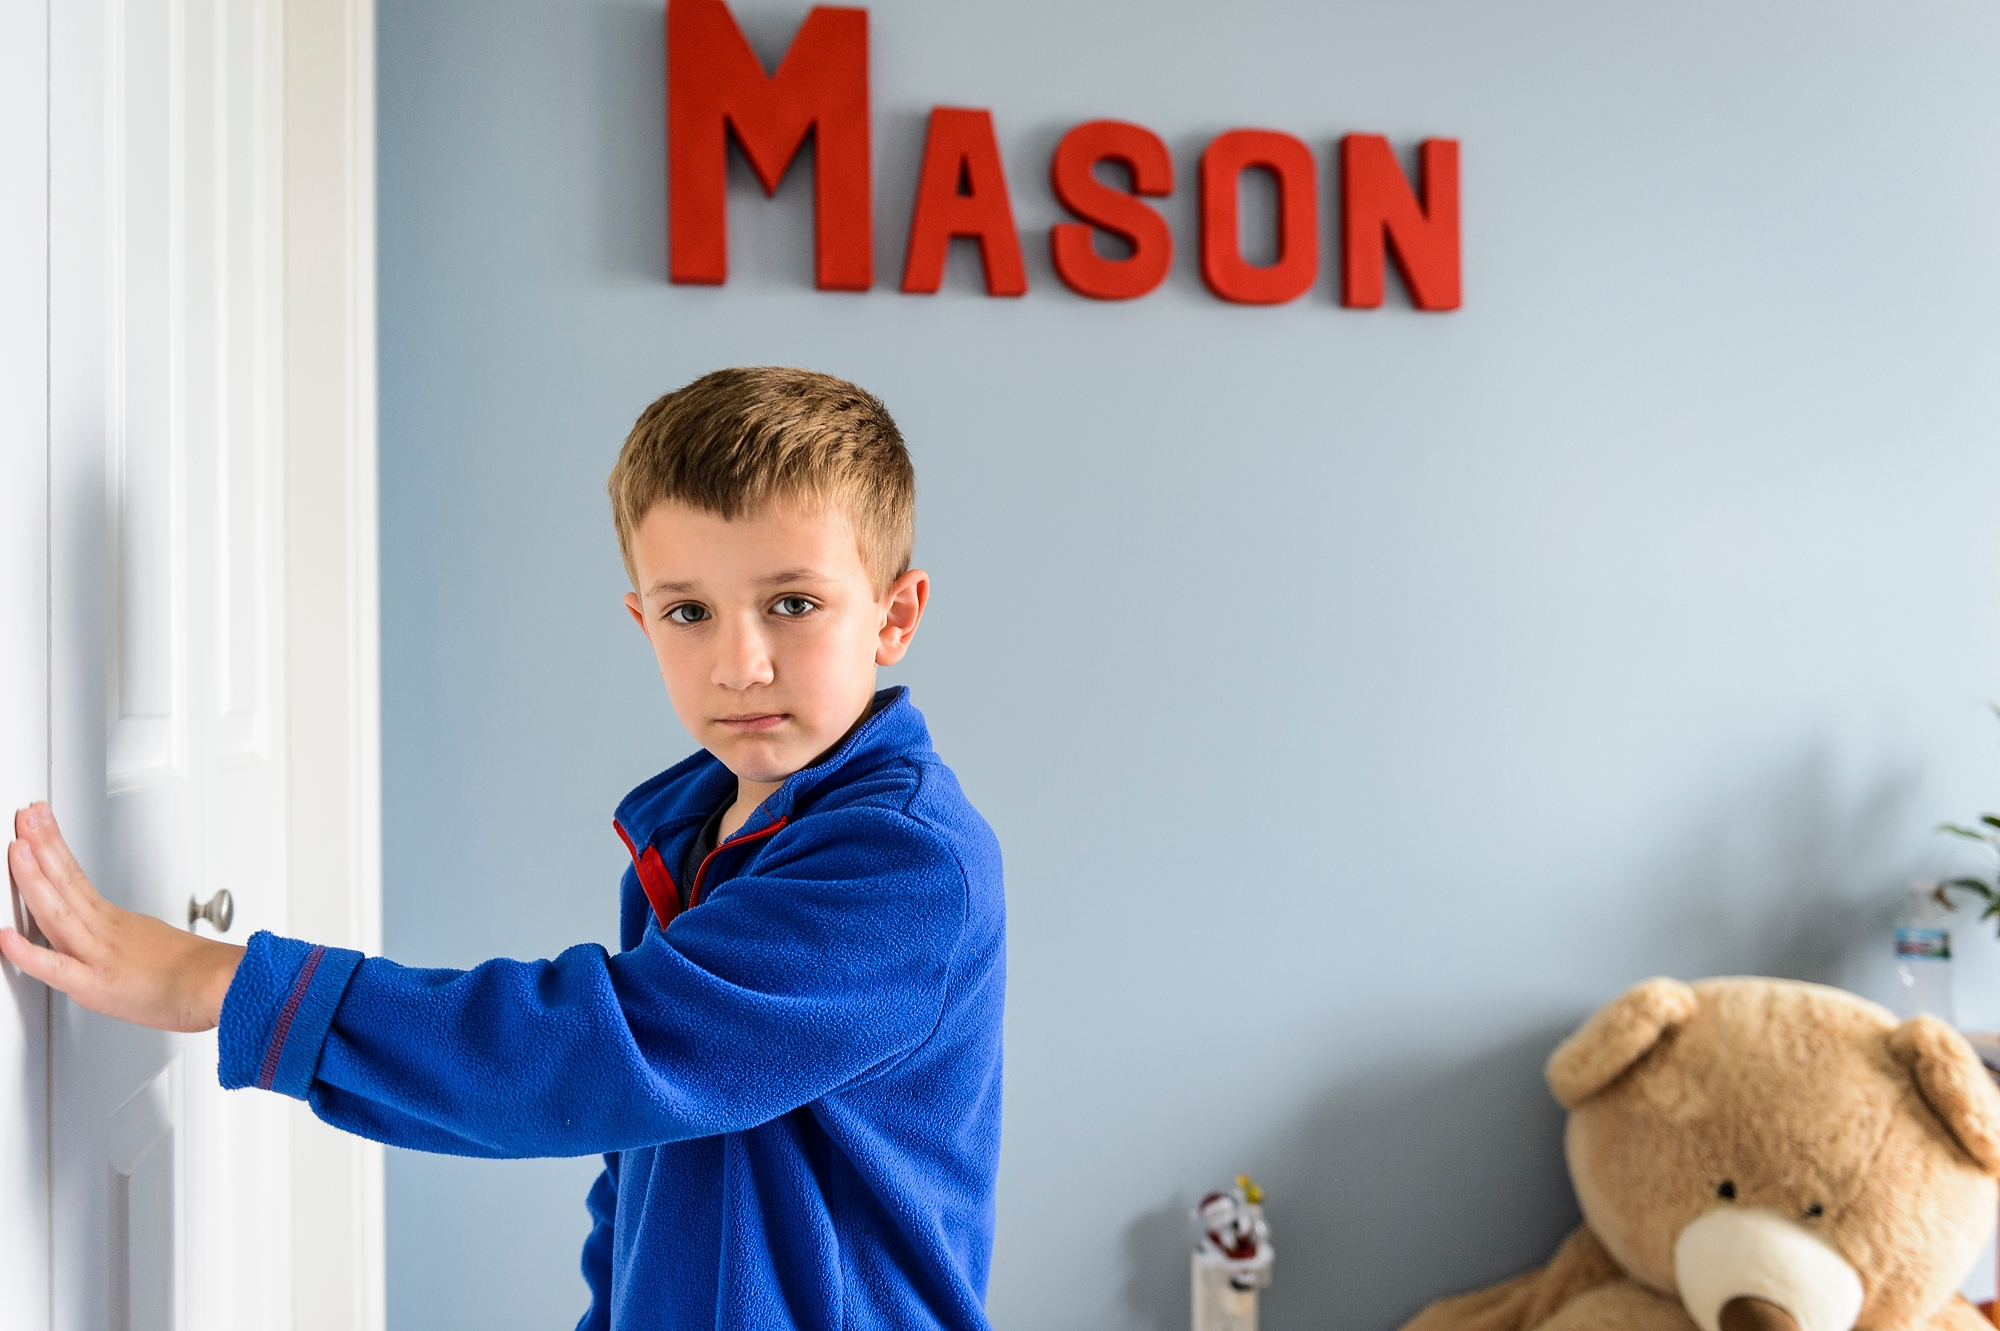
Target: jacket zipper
(694,889)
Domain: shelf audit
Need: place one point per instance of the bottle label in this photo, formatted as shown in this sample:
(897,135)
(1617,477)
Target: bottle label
(1924,944)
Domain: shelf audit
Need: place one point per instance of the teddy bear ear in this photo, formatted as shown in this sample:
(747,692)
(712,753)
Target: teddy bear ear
(1954,1083)
(1617,1035)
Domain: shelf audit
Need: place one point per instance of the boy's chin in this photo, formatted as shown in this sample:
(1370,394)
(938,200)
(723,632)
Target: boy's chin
(759,765)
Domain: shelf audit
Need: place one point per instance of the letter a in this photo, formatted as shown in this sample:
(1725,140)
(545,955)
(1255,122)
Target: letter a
(959,150)
(715,85)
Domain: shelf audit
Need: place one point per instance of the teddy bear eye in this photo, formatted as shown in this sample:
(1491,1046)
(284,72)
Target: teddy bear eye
(1727,1190)
(1815,1211)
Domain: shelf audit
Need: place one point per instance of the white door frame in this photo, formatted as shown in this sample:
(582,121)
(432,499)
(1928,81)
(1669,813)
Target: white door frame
(24,619)
(333,692)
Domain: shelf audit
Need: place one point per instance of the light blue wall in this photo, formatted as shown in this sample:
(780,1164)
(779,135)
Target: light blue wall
(1361,697)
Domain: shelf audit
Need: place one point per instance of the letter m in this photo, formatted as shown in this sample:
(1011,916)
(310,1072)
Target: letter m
(716,86)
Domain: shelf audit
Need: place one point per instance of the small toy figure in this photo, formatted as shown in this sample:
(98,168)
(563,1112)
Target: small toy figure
(1232,1257)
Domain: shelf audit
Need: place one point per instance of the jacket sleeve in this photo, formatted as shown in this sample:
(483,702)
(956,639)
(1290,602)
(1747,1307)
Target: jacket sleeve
(603,1206)
(824,963)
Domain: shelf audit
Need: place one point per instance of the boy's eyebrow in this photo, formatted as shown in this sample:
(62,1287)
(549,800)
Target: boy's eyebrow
(771,580)
(793,575)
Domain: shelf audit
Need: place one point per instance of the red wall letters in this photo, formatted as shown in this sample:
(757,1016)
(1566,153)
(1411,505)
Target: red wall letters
(1073,173)
(962,191)
(1379,212)
(715,85)
(717,90)
(1290,162)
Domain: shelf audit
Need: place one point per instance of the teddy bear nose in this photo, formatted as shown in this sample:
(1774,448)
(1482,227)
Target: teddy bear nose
(1752,1269)
(1744,1313)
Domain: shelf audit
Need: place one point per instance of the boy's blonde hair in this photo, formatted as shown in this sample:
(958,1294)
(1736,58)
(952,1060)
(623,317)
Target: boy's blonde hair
(731,441)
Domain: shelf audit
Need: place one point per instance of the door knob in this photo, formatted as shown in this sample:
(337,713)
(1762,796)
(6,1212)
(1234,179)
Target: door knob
(219,911)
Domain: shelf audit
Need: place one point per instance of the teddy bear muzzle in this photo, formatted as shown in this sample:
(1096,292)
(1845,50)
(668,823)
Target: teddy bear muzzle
(1751,1269)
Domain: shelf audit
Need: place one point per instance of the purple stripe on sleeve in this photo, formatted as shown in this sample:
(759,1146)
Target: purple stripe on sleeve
(268,1073)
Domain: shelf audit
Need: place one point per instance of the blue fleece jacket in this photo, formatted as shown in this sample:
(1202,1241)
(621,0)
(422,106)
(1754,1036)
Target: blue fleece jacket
(792,1066)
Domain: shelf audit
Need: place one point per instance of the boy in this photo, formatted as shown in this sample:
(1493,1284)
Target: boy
(792,1066)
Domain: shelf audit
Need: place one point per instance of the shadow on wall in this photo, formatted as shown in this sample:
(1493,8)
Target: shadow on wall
(1416,1181)
(1412,1171)
(1798,875)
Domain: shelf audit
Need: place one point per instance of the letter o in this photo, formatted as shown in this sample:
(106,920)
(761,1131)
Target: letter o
(1222,265)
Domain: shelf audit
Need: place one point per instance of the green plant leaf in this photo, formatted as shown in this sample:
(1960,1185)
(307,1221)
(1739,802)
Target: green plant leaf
(1970,834)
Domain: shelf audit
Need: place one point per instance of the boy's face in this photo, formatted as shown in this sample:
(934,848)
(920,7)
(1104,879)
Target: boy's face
(767,629)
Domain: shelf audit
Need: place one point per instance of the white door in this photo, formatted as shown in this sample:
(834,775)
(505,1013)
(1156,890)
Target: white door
(168,1205)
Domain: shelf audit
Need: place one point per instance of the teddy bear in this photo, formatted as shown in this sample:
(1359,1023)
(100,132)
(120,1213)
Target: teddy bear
(1760,1155)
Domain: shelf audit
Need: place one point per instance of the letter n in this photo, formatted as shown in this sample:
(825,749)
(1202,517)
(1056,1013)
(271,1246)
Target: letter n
(1379,212)
(716,86)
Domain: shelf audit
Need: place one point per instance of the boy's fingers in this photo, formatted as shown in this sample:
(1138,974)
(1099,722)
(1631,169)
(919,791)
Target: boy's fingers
(51,968)
(34,885)
(53,852)
(52,909)
(51,857)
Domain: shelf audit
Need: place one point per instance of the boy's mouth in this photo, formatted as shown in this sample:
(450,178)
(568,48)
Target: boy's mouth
(752,722)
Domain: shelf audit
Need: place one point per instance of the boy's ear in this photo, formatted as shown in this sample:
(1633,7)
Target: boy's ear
(906,599)
(637,613)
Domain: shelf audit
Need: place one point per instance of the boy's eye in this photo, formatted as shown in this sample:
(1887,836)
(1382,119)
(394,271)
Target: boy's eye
(687,612)
(791,607)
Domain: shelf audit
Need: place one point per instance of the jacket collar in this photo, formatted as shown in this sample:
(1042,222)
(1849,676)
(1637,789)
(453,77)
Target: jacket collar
(688,791)
(893,727)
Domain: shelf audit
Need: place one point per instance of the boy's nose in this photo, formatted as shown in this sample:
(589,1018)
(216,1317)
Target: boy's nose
(742,660)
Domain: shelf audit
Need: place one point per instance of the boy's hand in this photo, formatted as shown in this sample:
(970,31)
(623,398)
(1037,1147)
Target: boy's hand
(109,959)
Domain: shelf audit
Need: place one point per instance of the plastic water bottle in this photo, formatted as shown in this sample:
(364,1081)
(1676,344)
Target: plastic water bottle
(1923,954)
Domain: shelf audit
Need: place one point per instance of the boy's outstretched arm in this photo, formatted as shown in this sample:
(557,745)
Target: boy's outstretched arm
(825,965)
(109,959)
